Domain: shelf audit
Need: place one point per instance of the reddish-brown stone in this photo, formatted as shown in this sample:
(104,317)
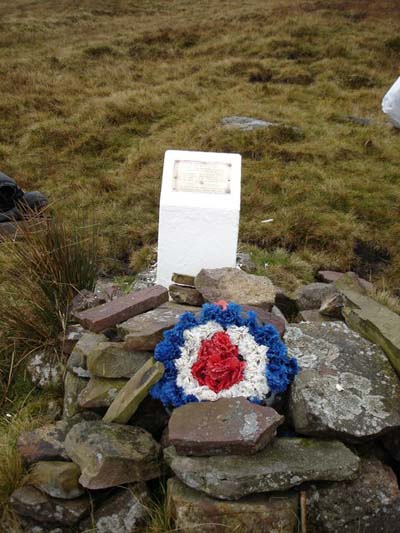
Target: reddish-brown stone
(266,317)
(121,309)
(226,426)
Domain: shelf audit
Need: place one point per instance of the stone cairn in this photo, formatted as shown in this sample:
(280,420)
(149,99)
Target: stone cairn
(324,459)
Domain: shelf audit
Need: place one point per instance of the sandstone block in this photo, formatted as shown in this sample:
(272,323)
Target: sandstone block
(232,284)
(226,426)
(194,511)
(116,311)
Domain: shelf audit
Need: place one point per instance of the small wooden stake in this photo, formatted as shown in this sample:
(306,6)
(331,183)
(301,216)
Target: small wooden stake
(303,511)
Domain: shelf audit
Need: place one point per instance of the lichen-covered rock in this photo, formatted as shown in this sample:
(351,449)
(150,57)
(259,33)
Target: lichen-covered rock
(232,284)
(369,504)
(346,386)
(285,463)
(47,443)
(374,322)
(70,337)
(56,478)
(77,360)
(311,296)
(261,513)
(100,392)
(112,360)
(73,385)
(226,426)
(112,454)
(44,369)
(123,512)
(32,503)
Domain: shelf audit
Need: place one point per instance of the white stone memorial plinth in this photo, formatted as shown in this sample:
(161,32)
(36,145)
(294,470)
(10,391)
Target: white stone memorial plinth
(199,213)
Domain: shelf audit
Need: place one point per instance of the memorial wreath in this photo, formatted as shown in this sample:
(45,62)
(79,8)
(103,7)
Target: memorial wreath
(222,353)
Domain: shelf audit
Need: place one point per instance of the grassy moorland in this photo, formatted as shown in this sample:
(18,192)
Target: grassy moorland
(94,92)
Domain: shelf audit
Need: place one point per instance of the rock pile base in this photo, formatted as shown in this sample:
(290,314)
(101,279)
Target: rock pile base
(331,442)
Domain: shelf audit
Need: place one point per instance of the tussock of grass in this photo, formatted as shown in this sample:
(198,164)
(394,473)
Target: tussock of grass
(41,274)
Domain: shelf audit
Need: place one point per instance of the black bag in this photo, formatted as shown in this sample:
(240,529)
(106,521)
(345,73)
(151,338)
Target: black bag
(10,193)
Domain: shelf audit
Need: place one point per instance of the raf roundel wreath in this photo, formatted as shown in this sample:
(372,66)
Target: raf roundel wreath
(223,353)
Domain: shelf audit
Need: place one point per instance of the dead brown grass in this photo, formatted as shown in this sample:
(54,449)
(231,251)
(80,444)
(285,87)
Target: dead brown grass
(94,92)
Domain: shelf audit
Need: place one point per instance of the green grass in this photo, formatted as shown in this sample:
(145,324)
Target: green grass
(93,94)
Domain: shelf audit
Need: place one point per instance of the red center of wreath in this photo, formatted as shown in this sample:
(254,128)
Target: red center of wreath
(218,364)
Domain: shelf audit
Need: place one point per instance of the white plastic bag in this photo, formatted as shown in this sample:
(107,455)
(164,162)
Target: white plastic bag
(391,103)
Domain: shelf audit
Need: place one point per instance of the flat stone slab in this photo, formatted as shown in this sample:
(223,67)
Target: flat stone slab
(145,331)
(116,311)
(56,478)
(346,386)
(285,463)
(185,295)
(234,285)
(194,511)
(29,502)
(369,504)
(312,295)
(246,123)
(47,442)
(134,392)
(111,360)
(112,454)
(374,322)
(226,426)
(100,392)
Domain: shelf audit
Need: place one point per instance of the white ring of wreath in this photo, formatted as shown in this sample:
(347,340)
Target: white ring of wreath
(254,382)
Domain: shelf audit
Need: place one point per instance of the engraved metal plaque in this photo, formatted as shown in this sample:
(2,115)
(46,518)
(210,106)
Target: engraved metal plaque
(210,177)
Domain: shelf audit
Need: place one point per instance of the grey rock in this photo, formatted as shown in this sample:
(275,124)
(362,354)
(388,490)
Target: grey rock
(100,392)
(285,463)
(85,299)
(47,442)
(261,513)
(112,454)
(56,478)
(144,332)
(44,369)
(346,386)
(375,322)
(311,296)
(369,504)
(314,315)
(112,360)
(246,123)
(70,337)
(73,385)
(123,512)
(232,284)
(245,262)
(29,502)
(78,358)
(185,295)
(332,306)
